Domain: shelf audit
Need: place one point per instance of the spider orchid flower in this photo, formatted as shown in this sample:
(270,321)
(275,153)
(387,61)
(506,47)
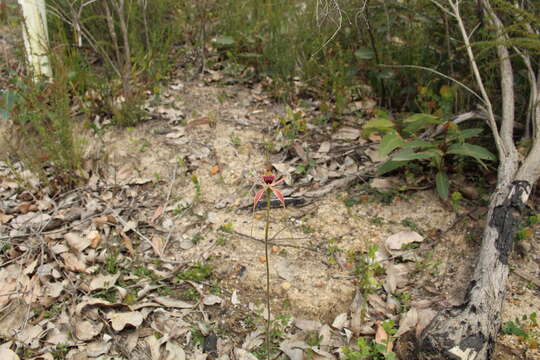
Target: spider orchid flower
(268,183)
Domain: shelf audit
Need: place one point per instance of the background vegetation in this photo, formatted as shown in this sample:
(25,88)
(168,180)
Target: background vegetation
(108,54)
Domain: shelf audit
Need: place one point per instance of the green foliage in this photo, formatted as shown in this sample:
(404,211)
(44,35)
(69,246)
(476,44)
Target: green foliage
(292,124)
(367,269)
(198,272)
(44,135)
(367,349)
(227,227)
(403,143)
(526,329)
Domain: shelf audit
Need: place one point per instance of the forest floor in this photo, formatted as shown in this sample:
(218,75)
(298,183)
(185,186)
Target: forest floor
(161,256)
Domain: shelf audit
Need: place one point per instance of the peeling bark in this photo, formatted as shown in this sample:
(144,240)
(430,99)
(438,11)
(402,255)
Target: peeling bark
(469,331)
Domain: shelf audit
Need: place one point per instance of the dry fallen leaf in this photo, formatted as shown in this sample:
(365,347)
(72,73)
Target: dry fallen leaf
(396,241)
(5,218)
(214,170)
(103,281)
(408,322)
(158,244)
(127,243)
(95,238)
(98,348)
(7,354)
(307,325)
(174,351)
(121,319)
(396,277)
(169,302)
(157,213)
(209,300)
(76,241)
(86,330)
(73,263)
(340,321)
(381,337)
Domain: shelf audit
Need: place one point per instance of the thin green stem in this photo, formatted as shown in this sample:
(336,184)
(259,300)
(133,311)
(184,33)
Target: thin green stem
(266,229)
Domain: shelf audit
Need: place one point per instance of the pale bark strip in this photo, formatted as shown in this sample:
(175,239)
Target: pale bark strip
(507,79)
(36,37)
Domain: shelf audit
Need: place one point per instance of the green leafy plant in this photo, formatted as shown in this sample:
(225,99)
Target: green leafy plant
(403,143)
(367,269)
(197,272)
(526,329)
(367,349)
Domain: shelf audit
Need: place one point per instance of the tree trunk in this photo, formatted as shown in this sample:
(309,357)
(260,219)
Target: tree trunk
(36,38)
(469,331)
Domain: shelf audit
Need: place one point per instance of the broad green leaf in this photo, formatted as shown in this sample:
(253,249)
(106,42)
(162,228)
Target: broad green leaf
(389,166)
(389,142)
(474,151)
(379,123)
(9,99)
(4,114)
(441,181)
(250,55)
(419,144)
(364,54)
(421,116)
(418,121)
(466,134)
(223,40)
(409,154)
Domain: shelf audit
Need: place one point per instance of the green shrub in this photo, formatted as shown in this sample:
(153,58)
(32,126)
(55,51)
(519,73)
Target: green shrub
(405,136)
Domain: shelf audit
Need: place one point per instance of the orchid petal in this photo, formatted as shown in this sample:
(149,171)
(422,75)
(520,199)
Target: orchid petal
(279,196)
(258,196)
(280,181)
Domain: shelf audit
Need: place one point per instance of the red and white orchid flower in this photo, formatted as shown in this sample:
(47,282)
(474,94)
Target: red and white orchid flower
(268,182)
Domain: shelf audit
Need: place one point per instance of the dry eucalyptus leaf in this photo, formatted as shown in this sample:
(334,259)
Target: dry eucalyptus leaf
(307,325)
(169,302)
(358,308)
(408,322)
(377,303)
(7,354)
(95,238)
(98,348)
(340,321)
(86,330)
(381,337)
(121,319)
(76,241)
(209,300)
(396,241)
(293,349)
(103,281)
(284,269)
(73,263)
(154,344)
(424,318)
(174,351)
(397,276)
(30,336)
(242,354)
(253,340)
(346,133)
(158,244)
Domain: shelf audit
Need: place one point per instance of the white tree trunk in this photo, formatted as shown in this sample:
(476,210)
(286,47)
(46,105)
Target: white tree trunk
(36,38)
